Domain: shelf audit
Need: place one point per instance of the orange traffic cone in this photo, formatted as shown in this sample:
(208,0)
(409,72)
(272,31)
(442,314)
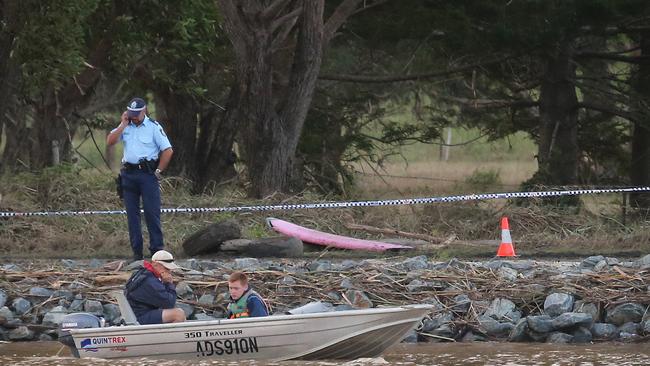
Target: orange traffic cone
(506,249)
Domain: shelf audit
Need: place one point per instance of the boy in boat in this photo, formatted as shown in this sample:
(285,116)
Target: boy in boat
(151,291)
(244,301)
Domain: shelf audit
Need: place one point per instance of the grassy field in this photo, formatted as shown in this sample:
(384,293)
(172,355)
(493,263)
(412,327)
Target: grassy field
(598,227)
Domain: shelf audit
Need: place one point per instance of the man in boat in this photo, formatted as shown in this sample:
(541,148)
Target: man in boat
(244,301)
(151,291)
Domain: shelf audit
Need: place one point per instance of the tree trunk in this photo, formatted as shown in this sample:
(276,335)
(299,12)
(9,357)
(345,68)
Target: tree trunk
(640,159)
(558,137)
(179,119)
(272,115)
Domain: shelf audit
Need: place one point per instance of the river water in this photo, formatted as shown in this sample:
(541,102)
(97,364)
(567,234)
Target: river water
(51,353)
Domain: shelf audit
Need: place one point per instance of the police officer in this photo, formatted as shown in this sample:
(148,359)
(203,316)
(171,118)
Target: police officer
(147,152)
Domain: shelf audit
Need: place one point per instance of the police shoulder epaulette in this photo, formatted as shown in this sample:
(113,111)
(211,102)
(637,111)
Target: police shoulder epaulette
(156,122)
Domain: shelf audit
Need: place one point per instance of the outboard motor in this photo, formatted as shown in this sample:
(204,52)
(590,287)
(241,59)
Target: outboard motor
(77,321)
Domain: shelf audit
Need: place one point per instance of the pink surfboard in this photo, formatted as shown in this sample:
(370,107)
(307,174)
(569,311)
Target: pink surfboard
(330,240)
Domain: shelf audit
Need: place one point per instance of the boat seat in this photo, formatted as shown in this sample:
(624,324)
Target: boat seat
(125,308)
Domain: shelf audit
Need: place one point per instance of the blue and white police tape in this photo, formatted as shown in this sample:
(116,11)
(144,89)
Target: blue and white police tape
(342,204)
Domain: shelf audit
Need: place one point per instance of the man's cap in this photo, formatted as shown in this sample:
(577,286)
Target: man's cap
(136,105)
(165,258)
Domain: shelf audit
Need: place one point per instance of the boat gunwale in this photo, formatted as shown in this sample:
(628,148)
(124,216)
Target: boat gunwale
(264,320)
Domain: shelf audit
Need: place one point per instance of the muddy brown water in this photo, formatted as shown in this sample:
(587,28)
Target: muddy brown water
(51,353)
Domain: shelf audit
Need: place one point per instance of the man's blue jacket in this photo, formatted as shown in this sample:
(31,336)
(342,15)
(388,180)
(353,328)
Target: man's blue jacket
(145,292)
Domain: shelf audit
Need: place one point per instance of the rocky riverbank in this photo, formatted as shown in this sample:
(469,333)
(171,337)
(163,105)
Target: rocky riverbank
(596,299)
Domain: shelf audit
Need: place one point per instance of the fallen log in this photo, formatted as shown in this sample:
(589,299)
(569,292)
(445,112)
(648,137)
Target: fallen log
(209,239)
(266,247)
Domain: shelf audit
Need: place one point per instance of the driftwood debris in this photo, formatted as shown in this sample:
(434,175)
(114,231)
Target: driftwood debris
(209,239)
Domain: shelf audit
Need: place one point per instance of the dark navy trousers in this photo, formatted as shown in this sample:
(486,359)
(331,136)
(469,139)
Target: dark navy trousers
(138,184)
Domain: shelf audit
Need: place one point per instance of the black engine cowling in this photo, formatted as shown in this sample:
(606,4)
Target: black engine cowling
(77,321)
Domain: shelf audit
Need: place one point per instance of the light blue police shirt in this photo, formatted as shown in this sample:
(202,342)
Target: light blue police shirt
(146,141)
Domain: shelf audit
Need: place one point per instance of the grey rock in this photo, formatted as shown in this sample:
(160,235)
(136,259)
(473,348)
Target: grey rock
(472,337)
(645,326)
(418,285)
(287,280)
(500,308)
(184,290)
(437,305)
(206,299)
(415,263)
(312,307)
(95,263)
(77,305)
(558,303)
(320,266)
(604,331)
(4,334)
(203,317)
(94,307)
(568,320)
(587,308)
(536,288)
(612,261)
(54,317)
(643,262)
(40,292)
(111,313)
(494,328)
(590,262)
(559,337)
(358,299)
(135,265)
(411,337)
(536,336)
(187,309)
(45,337)
(600,266)
(66,294)
(461,304)
(247,264)
(21,333)
(540,323)
(346,283)
(452,263)
(3,298)
(334,296)
(507,274)
(519,332)
(21,306)
(6,313)
(444,330)
(628,337)
(191,264)
(69,263)
(437,321)
(520,266)
(630,328)
(582,335)
(348,264)
(629,312)
(212,265)
(10,267)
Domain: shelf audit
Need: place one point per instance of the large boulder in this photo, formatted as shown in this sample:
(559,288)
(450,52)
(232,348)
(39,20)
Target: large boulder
(569,320)
(54,317)
(540,323)
(503,309)
(604,331)
(624,313)
(558,303)
(209,239)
